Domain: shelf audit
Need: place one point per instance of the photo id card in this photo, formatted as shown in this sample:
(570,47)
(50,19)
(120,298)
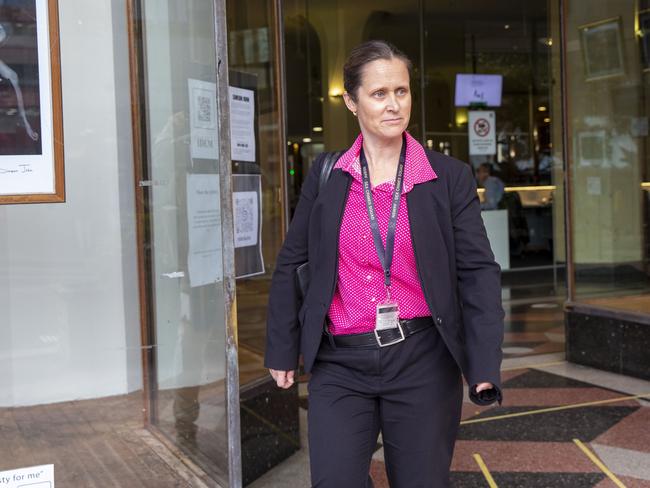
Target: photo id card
(387,316)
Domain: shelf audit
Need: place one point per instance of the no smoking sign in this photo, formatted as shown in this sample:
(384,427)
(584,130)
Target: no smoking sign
(482,136)
(482,127)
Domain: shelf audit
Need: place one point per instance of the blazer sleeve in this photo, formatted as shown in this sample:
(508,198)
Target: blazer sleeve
(479,289)
(282,326)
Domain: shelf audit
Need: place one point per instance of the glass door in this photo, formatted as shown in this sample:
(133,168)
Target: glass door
(186,229)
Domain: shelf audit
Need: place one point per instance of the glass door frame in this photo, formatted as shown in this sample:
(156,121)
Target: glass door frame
(142,192)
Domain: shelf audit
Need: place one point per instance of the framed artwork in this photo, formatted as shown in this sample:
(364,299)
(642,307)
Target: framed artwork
(602,49)
(643,34)
(31,125)
(592,148)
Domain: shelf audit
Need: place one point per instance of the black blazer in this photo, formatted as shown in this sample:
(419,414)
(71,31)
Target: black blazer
(459,277)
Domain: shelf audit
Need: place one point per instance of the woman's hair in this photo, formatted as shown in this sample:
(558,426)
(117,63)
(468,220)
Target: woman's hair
(363,54)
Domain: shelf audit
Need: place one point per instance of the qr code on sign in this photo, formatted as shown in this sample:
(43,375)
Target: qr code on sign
(205,109)
(244,218)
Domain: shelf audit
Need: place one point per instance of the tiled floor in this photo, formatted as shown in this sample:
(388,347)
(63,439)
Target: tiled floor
(554,416)
(529,441)
(552,410)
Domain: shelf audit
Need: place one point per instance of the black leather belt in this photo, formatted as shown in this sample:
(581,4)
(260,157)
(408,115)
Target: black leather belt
(381,338)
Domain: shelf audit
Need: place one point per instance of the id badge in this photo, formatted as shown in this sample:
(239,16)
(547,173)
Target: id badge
(387,315)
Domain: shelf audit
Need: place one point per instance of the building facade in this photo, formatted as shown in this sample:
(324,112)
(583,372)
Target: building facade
(151,153)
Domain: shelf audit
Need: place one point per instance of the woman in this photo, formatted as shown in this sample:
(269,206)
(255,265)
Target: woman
(404,295)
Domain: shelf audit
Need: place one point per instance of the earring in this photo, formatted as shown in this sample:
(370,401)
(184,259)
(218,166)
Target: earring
(354,113)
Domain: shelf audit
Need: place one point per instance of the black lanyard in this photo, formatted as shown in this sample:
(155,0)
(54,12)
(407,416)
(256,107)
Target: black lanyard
(385,256)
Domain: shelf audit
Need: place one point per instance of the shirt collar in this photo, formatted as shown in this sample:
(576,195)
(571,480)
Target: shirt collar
(417,168)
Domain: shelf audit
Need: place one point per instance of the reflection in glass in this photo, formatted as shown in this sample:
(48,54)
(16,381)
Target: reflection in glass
(608,113)
(184,218)
(512,42)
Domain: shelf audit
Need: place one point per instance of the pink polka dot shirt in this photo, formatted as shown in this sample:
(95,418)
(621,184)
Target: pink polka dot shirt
(360,284)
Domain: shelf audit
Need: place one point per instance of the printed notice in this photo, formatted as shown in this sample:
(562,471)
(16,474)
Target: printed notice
(34,477)
(246,218)
(242,124)
(482,133)
(203,119)
(204,229)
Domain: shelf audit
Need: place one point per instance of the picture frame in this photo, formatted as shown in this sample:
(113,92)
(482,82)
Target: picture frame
(31,123)
(642,28)
(592,148)
(602,49)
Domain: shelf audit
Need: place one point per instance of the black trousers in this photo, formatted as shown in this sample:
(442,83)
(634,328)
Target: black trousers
(410,391)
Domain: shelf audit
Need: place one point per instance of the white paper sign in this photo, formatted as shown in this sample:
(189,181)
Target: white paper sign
(247,219)
(204,229)
(246,211)
(203,119)
(34,477)
(593,185)
(481,131)
(242,124)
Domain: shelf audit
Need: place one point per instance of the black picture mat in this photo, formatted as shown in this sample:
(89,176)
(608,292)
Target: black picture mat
(19,58)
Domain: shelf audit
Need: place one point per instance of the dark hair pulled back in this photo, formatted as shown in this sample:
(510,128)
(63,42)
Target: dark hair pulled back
(363,54)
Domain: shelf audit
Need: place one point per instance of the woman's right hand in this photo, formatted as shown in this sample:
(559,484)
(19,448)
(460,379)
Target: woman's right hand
(284,379)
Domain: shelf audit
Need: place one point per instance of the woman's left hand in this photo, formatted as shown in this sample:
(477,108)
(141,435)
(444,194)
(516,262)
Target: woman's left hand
(483,386)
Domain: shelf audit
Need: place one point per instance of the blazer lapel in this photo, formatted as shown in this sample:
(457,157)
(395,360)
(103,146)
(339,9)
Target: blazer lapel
(425,235)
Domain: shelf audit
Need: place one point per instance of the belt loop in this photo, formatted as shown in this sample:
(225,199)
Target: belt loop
(327,332)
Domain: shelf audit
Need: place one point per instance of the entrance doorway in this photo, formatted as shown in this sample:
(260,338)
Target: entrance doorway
(181,140)
(513,43)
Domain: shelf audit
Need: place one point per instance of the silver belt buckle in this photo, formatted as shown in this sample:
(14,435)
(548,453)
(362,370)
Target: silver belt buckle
(399,339)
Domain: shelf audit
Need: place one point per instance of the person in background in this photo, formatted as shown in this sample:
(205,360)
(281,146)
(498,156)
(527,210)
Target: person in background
(494,187)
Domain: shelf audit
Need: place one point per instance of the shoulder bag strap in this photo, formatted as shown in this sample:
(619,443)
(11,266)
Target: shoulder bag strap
(330,160)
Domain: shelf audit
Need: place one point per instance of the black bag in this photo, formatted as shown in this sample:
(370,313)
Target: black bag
(302,271)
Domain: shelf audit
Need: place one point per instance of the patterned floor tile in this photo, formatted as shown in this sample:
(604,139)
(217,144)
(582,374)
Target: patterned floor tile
(633,432)
(513,373)
(548,397)
(624,462)
(527,480)
(585,423)
(627,482)
(542,379)
(522,456)
(378,474)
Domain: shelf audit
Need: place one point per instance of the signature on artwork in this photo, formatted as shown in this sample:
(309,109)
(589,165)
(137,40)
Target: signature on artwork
(22,168)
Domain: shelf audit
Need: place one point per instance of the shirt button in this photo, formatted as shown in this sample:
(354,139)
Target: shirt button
(368,277)
(373,299)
